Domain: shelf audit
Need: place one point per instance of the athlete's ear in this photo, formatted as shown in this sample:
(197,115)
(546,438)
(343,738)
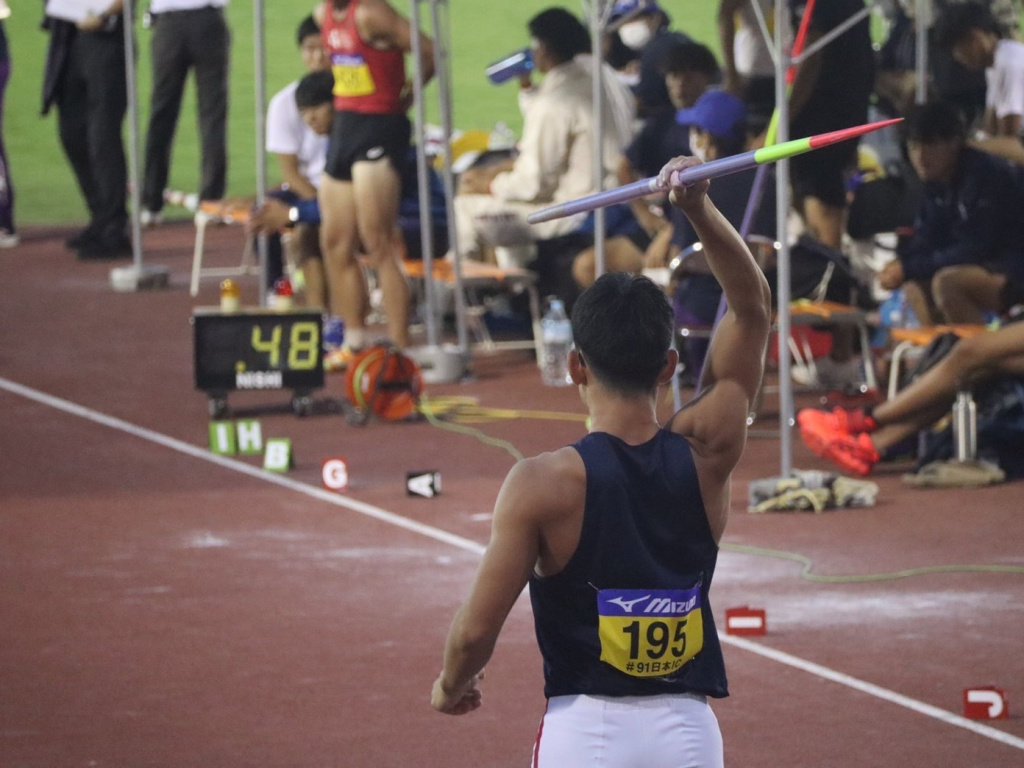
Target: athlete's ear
(577,368)
(669,369)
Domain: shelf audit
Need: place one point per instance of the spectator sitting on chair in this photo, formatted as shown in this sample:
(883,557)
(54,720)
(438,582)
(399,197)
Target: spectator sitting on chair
(969,229)
(856,440)
(688,69)
(555,160)
(314,97)
(717,128)
(643,26)
(301,150)
(977,41)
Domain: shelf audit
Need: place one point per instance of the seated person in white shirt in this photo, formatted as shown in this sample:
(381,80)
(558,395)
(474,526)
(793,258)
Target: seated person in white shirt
(555,160)
(977,41)
(301,153)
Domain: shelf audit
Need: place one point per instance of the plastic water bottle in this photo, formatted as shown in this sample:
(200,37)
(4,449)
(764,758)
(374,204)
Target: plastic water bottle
(515,64)
(556,340)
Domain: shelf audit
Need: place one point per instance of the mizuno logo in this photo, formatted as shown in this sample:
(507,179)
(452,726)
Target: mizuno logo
(627,605)
(665,605)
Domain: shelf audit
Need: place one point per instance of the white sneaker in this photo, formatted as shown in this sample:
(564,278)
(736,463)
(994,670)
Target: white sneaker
(803,374)
(8,239)
(148,218)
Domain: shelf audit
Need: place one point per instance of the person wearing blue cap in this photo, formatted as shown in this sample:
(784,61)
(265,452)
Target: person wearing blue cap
(717,124)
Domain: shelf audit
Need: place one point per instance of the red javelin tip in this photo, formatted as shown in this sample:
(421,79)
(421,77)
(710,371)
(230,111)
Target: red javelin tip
(824,139)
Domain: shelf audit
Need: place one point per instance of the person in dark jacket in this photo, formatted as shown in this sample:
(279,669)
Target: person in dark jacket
(968,232)
(85,78)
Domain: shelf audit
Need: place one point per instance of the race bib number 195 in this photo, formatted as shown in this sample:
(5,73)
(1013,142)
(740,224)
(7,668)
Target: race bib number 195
(649,633)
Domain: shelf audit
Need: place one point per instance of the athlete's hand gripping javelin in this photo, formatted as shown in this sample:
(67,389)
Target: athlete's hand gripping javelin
(684,196)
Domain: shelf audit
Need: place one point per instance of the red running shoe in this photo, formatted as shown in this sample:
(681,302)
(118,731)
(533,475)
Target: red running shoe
(852,453)
(852,422)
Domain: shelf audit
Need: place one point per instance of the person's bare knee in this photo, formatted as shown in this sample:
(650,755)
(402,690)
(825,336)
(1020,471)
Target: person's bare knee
(947,288)
(919,300)
(583,268)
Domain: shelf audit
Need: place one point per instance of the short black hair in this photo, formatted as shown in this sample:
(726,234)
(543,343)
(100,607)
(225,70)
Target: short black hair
(562,33)
(690,56)
(314,89)
(935,121)
(622,327)
(307,28)
(957,21)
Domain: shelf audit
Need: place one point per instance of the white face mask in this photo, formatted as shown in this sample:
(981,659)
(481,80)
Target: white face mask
(635,34)
(696,148)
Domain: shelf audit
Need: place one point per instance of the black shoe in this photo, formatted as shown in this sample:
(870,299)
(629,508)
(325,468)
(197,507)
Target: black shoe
(103,249)
(77,241)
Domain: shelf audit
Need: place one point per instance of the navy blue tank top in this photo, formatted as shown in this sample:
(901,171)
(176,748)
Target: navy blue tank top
(629,614)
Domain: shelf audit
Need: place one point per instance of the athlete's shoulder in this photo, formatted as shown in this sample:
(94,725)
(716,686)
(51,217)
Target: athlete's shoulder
(547,479)
(551,464)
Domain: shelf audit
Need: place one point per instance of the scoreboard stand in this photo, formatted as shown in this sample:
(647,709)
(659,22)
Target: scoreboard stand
(257,349)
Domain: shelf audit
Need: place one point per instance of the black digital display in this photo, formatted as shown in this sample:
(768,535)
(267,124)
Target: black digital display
(257,349)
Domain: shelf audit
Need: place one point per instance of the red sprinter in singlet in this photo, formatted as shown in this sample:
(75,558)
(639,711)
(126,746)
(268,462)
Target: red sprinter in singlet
(367,41)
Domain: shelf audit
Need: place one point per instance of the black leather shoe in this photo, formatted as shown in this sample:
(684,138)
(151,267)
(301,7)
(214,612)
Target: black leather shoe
(104,249)
(80,239)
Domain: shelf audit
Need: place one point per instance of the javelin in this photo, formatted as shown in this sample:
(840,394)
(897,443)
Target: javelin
(693,174)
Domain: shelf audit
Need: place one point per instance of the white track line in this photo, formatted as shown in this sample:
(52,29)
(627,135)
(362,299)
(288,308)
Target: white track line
(246,469)
(471,546)
(874,690)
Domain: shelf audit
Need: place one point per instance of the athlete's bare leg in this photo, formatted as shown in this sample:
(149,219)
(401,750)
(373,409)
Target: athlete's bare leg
(965,293)
(339,239)
(971,361)
(825,222)
(377,190)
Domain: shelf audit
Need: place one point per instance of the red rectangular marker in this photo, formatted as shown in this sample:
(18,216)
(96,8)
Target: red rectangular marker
(985,703)
(746,621)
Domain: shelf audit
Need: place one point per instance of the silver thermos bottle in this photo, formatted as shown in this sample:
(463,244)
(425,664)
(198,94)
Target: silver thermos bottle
(965,427)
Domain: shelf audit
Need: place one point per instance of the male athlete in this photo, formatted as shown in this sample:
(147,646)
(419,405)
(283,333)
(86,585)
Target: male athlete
(617,535)
(367,41)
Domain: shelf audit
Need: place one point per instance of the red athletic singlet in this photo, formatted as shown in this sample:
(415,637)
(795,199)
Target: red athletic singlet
(366,79)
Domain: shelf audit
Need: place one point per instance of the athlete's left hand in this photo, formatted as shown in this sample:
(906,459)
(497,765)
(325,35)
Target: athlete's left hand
(464,699)
(685,197)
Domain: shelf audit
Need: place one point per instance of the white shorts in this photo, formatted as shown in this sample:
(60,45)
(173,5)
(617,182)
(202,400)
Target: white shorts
(669,731)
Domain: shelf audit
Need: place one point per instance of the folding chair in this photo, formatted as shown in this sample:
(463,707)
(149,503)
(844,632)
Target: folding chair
(210,212)
(907,339)
(477,277)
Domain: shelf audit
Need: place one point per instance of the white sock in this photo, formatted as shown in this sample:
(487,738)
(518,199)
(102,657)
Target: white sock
(355,338)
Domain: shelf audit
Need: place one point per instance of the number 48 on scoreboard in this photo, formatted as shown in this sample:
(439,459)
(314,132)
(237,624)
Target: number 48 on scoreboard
(257,349)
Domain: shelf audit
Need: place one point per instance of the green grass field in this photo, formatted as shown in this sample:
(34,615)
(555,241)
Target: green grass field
(481,31)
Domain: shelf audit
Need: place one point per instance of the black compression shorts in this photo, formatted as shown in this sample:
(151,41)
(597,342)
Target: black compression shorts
(358,137)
